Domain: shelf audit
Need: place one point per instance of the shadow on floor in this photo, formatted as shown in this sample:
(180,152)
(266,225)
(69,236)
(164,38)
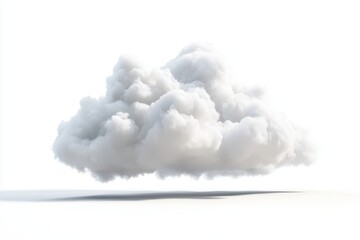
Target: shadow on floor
(122,196)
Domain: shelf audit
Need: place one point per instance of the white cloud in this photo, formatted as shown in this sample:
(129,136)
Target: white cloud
(184,118)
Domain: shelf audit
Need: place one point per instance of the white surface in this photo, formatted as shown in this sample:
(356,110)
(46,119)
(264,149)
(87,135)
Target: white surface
(311,215)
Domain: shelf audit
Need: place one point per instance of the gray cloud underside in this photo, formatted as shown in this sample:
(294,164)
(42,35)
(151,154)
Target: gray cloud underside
(184,118)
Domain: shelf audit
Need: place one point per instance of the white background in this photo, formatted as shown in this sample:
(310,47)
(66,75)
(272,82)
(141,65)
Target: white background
(305,53)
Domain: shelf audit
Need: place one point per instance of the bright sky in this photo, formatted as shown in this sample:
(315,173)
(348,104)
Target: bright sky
(305,53)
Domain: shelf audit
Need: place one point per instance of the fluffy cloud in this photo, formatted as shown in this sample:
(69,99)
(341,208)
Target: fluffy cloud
(184,118)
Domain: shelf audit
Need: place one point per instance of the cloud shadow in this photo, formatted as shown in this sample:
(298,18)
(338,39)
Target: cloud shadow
(81,195)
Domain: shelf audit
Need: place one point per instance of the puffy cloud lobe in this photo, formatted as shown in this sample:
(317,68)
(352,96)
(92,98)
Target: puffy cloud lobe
(184,118)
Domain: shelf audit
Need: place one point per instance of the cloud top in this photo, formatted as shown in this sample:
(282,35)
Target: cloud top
(183,118)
